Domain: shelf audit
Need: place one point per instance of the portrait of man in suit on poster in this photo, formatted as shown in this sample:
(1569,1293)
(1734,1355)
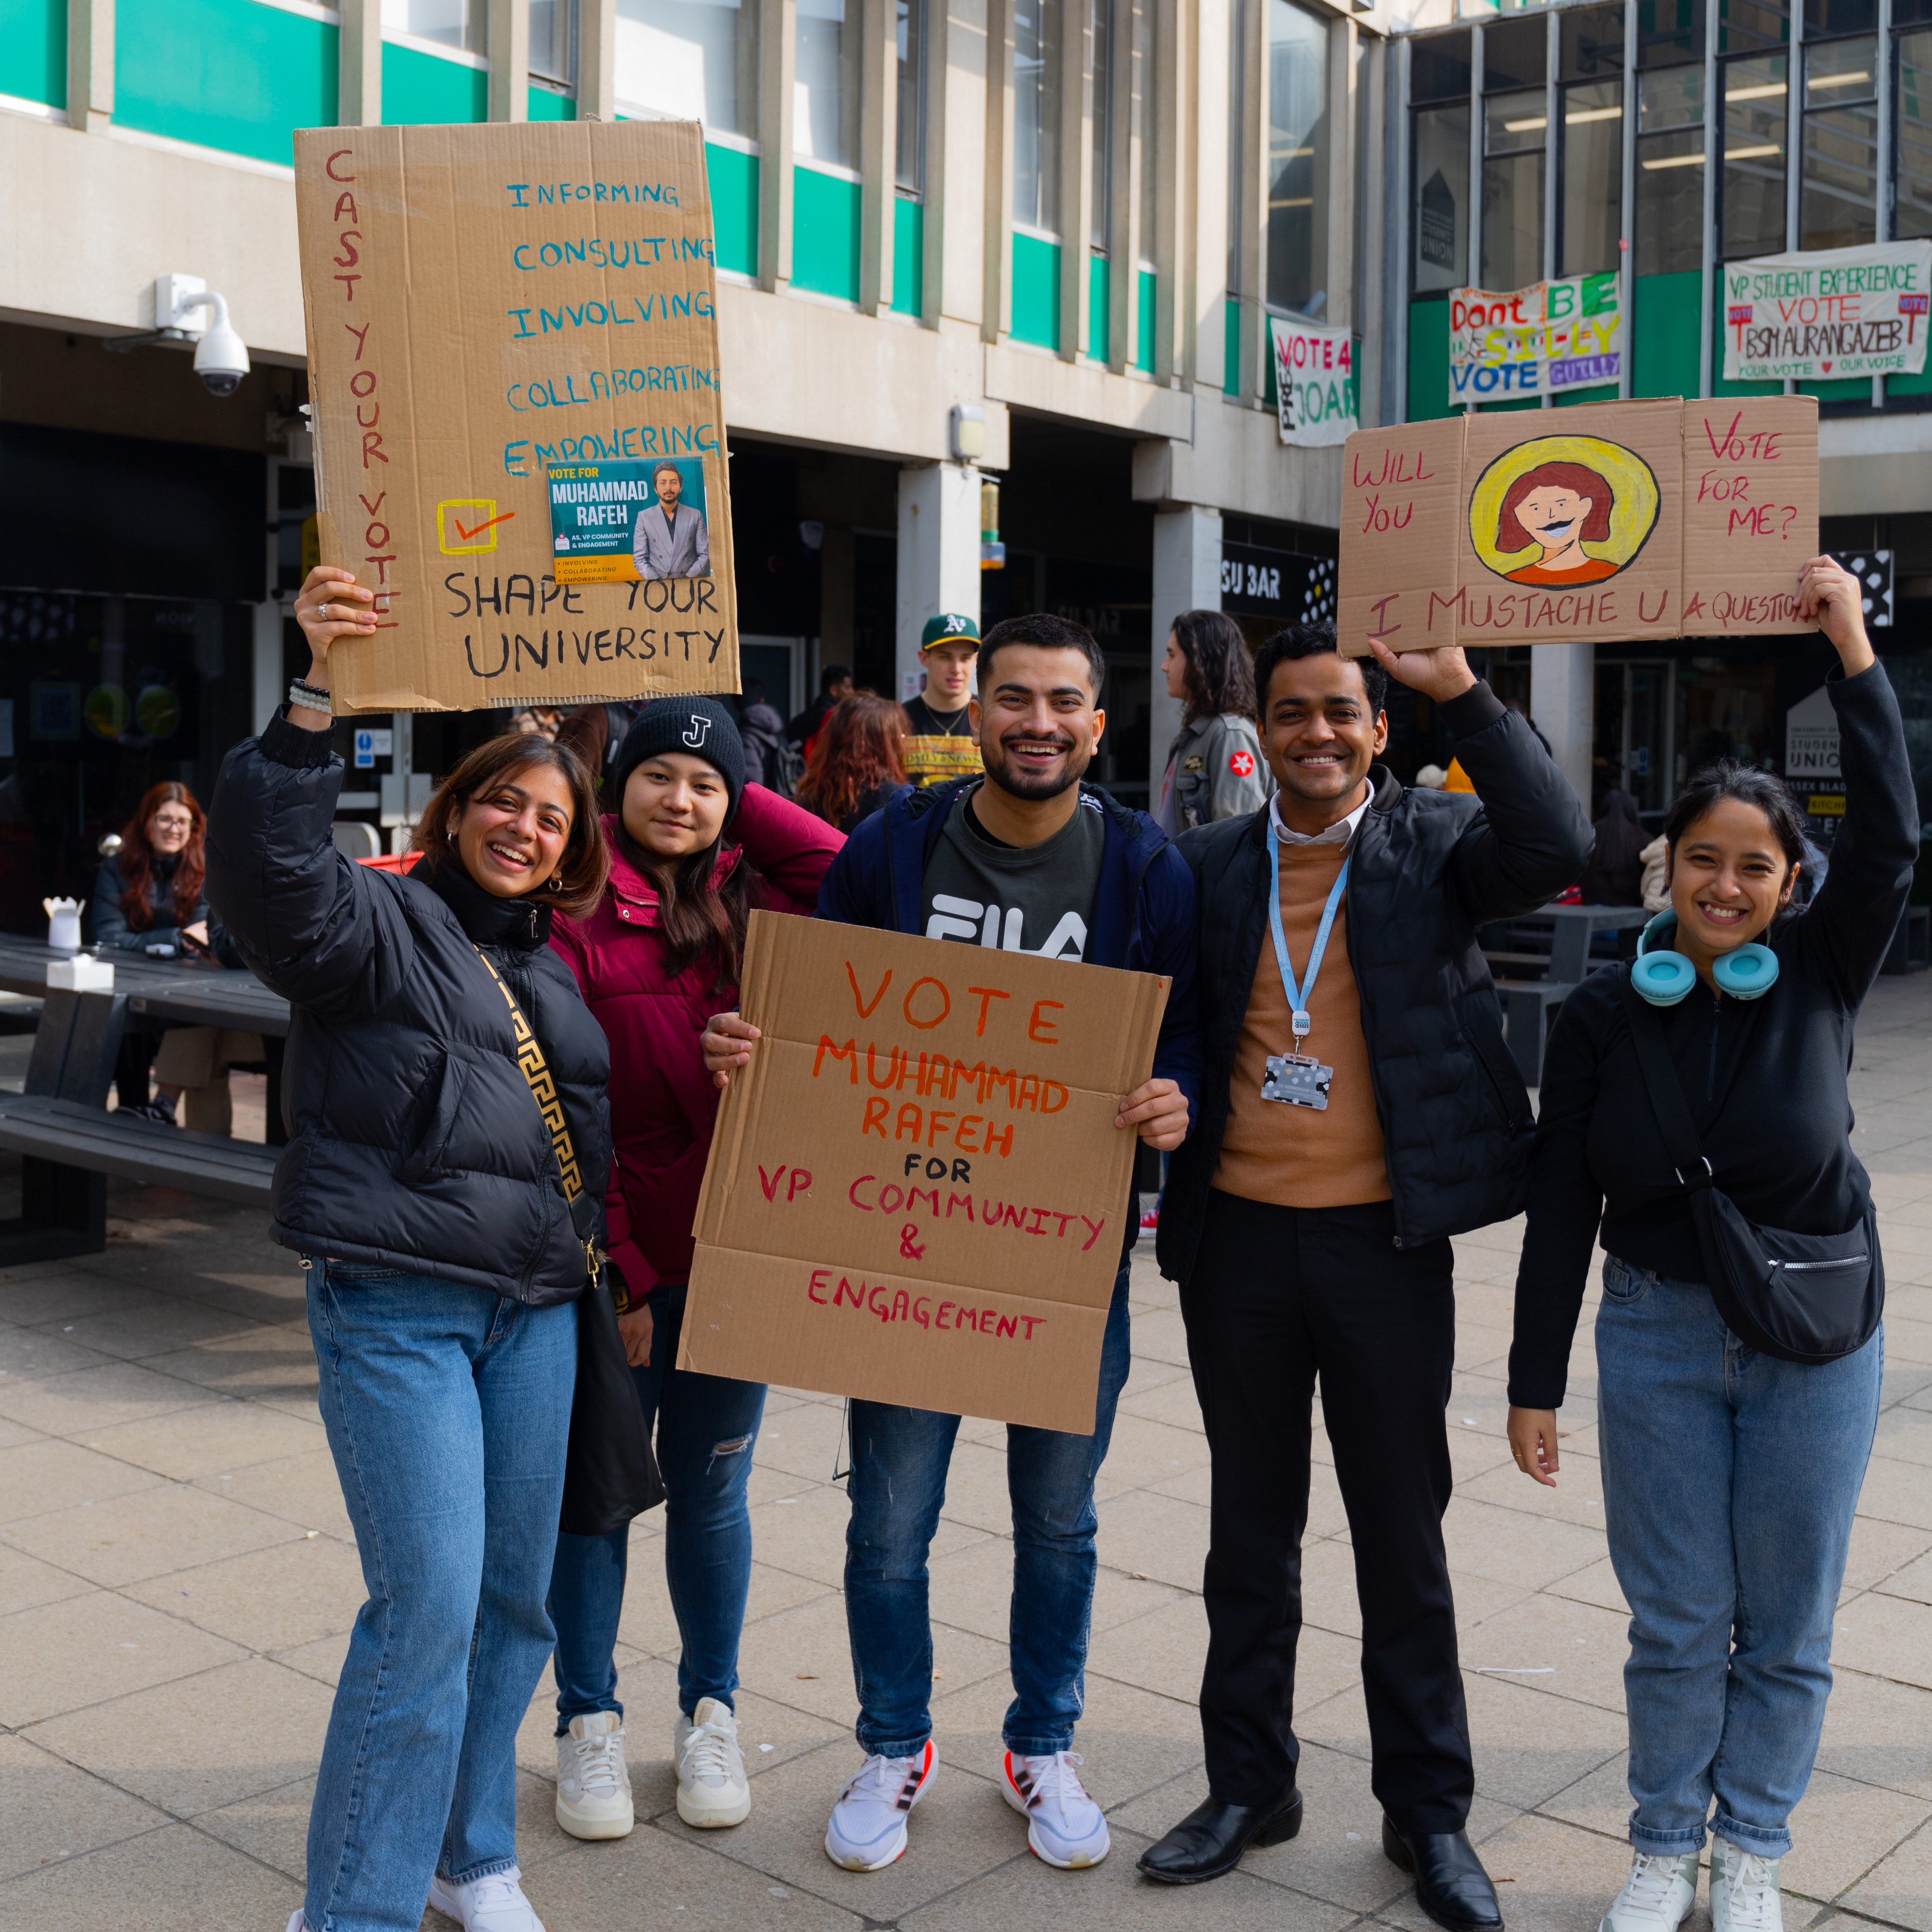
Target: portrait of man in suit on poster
(671,538)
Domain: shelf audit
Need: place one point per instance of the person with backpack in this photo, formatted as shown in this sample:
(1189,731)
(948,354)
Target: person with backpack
(449,1149)
(1073,875)
(1694,1103)
(694,848)
(771,760)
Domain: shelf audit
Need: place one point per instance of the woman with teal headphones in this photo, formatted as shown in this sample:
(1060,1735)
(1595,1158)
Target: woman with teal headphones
(1695,1105)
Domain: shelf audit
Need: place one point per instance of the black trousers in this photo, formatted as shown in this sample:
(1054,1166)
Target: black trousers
(1280,1297)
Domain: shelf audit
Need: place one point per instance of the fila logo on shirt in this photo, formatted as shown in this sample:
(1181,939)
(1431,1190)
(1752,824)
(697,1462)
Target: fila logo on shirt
(1242,764)
(968,919)
(697,730)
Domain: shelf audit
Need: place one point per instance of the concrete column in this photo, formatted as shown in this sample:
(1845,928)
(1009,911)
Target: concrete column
(939,556)
(778,73)
(878,155)
(1563,700)
(90,65)
(596,60)
(359,68)
(1187,576)
(509,51)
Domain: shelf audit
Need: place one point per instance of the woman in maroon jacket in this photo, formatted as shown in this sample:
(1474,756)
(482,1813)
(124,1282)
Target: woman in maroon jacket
(659,956)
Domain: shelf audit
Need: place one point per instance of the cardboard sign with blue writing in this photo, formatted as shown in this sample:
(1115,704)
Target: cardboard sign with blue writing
(513,350)
(916,1192)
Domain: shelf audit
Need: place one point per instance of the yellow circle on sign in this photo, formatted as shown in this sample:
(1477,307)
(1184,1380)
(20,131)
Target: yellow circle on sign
(1563,474)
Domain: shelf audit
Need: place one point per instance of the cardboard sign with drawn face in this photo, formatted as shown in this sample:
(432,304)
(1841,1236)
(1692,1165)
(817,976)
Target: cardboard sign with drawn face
(1610,521)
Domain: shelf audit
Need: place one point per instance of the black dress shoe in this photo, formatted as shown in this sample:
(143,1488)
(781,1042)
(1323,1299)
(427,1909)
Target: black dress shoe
(1451,1884)
(1209,1840)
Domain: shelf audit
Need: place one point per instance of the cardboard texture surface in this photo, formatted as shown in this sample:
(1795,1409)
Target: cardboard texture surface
(916,1190)
(1610,521)
(509,327)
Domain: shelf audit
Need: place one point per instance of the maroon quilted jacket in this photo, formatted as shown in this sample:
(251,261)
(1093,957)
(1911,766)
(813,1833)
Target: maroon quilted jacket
(662,1102)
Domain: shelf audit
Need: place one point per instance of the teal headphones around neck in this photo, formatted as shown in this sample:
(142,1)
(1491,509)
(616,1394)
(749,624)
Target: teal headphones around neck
(1663,978)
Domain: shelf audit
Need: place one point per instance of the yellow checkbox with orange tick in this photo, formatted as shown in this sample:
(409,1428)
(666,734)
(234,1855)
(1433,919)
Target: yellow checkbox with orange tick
(467,526)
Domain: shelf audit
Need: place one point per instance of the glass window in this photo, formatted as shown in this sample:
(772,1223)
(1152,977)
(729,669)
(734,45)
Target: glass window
(1516,53)
(454,23)
(1838,195)
(690,59)
(1438,67)
(825,85)
(1670,171)
(1590,44)
(1036,114)
(1827,20)
(1439,216)
(1592,185)
(1514,126)
(1912,213)
(554,39)
(1297,170)
(1669,32)
(910,125)
(1100,116)
(1751,218)
(1745,24)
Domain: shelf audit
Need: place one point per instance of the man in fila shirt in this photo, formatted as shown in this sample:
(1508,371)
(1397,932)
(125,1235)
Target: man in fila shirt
(1028,859)
(1358,1107)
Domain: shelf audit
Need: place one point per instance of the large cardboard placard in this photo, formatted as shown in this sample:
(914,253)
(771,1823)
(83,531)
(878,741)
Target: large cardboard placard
(519,431)
(915,1191)
(1606,522)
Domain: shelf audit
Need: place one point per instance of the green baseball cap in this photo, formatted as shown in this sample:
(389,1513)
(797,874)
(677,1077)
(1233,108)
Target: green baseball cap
(949,627)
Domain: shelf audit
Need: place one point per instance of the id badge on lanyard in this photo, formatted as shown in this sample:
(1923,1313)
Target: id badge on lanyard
(1299,1079)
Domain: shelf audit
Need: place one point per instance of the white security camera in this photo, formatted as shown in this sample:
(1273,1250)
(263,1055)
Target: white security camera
(220,357)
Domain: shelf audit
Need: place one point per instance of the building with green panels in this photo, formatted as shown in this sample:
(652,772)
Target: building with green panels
(1034,244)
(1664,139)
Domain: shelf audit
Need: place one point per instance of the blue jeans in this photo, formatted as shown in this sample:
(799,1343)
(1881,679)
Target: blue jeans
(707,1427)
(899,1461)
(1729,1481)
(448,1410)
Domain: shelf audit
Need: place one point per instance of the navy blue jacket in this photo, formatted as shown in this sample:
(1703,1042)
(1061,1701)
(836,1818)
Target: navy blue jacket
(1144,917)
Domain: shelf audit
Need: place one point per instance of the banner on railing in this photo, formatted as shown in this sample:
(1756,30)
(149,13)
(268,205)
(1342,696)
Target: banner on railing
(1832,314)
(1315,382)
(1567,334)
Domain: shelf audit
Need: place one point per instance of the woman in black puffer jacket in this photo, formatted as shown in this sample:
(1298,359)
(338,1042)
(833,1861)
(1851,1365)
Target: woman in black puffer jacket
(449,1149)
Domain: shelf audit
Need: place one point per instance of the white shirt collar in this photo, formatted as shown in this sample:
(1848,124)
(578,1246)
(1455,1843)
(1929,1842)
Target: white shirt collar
(1340,833)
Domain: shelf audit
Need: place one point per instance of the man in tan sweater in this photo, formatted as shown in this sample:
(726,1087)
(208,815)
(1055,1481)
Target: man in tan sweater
(1358,1106)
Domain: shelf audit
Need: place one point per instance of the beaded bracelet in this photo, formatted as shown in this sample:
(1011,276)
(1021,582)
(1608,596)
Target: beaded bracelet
(307,696)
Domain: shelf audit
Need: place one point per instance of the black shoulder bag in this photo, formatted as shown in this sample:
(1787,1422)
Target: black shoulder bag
(610,1474)
(1808,1298)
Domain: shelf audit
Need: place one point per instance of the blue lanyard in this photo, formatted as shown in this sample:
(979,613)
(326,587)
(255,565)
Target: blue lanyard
(1298,997)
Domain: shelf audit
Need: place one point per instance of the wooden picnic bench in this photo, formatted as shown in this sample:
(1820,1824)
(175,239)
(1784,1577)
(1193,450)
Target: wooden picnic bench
(69,1144)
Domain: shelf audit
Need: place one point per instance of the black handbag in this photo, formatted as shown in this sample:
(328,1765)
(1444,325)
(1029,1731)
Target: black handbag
(1807,1298)
(610,1474)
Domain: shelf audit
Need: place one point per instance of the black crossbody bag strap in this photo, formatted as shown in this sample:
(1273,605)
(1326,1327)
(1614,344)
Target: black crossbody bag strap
(1665,1091)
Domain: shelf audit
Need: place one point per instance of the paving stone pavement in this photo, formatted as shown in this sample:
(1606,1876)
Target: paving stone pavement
(177,1580)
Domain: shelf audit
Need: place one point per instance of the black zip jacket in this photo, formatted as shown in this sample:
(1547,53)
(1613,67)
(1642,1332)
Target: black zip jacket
(1765,1078)
(1427,868)
(414,1139)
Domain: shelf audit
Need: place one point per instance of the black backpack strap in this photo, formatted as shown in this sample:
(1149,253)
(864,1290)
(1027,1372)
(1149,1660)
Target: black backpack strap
(1666,1090)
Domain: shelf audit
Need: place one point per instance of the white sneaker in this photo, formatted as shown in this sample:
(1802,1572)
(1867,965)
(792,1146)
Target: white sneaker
(295,1923)
(593,1784)
(712,1788)
(1657,1897)
(868,1829)
(1743,1890)
(493,1904)
(1065,1827)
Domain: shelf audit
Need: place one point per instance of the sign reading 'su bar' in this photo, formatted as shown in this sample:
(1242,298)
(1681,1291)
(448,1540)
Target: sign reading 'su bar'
(520,429)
